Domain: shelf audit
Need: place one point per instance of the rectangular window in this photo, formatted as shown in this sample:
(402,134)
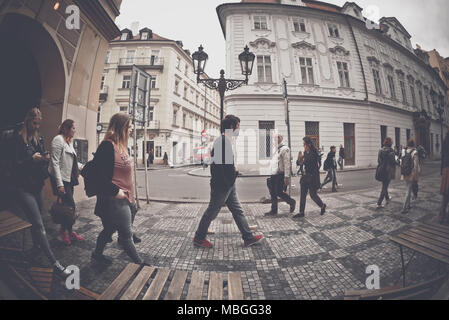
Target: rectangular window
(383,134)
(124,37)
(184,118)
(421,99)
(333,31)
(343,74)
(313,132)
(377,83)
(144,36)
(150,113)
(130,56)
(102,83)
(403,92)
(175,113)
(124,109)
(158,152)
(177,86)
(306,68)
(407,134)
(264,68)
(108,54)
(299,25)
(185,92)
(153,83)
(126,82)
(392,87)
(260,23)
(349,134)
(412,90)
(266,130)
(154,57)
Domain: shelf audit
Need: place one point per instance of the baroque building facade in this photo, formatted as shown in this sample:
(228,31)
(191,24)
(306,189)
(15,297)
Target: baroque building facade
(180,109)
(47,64)
(349,81)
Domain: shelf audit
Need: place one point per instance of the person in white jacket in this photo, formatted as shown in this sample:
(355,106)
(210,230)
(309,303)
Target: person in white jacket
(64,172)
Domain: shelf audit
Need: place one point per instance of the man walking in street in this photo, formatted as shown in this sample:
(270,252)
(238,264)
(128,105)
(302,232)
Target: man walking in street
(280,177)
(223,190)
(341,157)
(330,166)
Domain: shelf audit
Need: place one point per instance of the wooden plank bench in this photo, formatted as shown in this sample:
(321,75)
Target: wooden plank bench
(37,282)
(417,291)
(429,239)
(149,282)
(10,223)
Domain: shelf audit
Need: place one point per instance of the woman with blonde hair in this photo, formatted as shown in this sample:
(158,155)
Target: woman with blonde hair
(116,199)
(30,172)
(64,174)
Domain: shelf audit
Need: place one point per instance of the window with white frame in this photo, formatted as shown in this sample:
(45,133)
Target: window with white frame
(130,56)
(154,57)
(153,82)
(175,115)
(333,30)
(126,83)
(412,90)
(299,25)
(391,86)
(264,68)
(403,92)
(144,36)
(260,23)
(306,68)
(343,73)
(108,54)
(124,36)
(377,83)
(158,152)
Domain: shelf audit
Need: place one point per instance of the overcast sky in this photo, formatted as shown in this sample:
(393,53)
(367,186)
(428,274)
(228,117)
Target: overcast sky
(195,22)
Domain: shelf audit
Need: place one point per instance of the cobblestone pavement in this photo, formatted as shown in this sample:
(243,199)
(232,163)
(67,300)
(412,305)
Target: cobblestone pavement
(317,257)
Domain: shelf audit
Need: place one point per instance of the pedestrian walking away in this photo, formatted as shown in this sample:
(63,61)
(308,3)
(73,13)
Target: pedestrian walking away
(421,156)
(410,172)
(64,173)
(115,199)
(310,181)
(341,157)
(444,190)
(281,168)
(223,190)
(331,167)
(386,170)
(30,171)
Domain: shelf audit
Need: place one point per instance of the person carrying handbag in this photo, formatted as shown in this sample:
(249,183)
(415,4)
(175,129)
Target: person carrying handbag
(386,170)
(64,173)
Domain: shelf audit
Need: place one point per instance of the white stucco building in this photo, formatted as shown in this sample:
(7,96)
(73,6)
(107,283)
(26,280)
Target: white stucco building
(180,108)
(348,84)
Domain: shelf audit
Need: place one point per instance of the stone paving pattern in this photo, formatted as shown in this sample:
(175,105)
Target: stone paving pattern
(317,257)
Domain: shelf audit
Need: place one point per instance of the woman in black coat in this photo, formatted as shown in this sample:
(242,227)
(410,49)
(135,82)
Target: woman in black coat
(386,159)
(310,181)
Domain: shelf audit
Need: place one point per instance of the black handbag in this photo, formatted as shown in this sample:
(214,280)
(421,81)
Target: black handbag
(62,213)
(380,173)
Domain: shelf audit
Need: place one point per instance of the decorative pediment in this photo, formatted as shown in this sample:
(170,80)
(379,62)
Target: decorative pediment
(262,42)
(373,60)
(339,50)
(388,66)
(303,45)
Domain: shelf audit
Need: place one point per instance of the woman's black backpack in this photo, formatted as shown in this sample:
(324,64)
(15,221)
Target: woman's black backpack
(91,178)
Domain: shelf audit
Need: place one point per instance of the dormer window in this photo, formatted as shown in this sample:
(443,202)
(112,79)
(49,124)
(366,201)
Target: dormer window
(357,14)
(124,36)
(144,36)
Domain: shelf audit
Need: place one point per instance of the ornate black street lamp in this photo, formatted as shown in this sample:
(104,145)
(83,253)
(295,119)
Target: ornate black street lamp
(222,85)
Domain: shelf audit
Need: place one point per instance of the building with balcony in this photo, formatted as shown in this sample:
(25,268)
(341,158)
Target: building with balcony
(47,64)
(180,109)
(350,81)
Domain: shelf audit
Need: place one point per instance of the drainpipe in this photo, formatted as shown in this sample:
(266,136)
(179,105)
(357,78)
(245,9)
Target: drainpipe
(360,58)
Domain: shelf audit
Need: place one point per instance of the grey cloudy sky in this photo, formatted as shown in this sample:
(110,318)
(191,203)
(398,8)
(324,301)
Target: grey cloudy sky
(195,22)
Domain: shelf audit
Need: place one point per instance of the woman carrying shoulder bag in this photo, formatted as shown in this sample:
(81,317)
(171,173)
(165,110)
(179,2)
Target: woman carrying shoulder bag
(115,200)
(64,174)
(30,172)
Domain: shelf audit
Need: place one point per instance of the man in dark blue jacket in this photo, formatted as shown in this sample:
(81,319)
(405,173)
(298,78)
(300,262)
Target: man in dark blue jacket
(222,185)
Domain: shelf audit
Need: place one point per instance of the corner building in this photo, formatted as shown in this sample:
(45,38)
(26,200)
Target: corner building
(350,82)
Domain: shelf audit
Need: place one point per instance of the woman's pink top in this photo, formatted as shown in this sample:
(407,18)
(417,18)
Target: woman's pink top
(123,173)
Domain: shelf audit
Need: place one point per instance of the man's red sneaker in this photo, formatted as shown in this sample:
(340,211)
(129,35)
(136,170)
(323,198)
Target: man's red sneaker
(254,240)
(202,243)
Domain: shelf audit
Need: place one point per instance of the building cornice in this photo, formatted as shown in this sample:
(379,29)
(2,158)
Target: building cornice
(98,16)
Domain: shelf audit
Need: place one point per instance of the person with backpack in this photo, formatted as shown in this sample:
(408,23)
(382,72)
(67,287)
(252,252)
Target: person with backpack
(331,167)
(64,174)
(410,171)
(115,189)
(29,174)
(310,181)
(280,177)
(386,170)
(444,190)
